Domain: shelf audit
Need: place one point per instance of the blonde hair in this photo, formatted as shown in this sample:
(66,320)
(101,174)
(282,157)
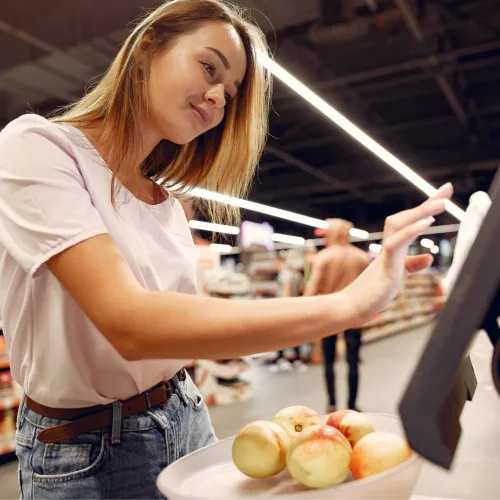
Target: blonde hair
(224,158)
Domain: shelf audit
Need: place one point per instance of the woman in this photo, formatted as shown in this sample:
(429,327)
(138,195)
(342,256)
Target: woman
(97,286)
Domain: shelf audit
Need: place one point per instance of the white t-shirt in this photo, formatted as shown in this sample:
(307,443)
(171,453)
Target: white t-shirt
(55,191)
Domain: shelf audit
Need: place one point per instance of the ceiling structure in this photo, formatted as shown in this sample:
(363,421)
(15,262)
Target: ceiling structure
(422,77)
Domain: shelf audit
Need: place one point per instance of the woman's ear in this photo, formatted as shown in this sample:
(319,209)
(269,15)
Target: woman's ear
(144,50)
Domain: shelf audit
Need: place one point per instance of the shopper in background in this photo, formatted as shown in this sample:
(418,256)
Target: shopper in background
(334,268)
(97,284)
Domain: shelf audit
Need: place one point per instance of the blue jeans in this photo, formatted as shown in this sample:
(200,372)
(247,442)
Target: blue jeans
(91,466)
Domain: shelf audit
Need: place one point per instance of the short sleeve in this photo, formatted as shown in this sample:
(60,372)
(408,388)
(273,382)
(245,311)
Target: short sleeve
(44,206)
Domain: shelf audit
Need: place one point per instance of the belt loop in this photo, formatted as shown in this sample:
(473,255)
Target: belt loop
(117,422)
(180,390)
(20,411)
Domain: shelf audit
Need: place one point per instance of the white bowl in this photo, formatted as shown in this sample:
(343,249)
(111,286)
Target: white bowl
(210,473)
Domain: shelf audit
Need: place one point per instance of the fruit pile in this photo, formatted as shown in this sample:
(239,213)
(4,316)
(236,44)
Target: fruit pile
(318,453)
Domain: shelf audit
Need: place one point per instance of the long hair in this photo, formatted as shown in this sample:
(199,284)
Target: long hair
(221,160)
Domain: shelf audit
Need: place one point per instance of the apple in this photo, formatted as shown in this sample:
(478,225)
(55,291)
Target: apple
(336,417)
(355,426)
(319,457)
(378,452)
(260,449)
(294,419)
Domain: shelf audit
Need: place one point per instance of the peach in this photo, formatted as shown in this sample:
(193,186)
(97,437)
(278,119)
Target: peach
(378,452)
(294,419)
(260,449)
(319,457)
(336,417)
(355,426)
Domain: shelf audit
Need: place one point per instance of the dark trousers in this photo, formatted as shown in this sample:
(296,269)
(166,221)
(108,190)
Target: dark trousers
(353,344)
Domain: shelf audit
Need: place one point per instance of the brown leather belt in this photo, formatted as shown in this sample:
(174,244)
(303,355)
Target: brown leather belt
(99,417)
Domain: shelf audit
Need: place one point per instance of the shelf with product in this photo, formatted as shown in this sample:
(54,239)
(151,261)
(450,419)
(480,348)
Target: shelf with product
(7,445)
(417,303)
(4,358)
(10,399)
(263,271)
(273,274)
(220,381)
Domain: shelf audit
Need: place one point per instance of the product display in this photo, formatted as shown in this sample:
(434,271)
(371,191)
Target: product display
(220,381)
(319,457)
(260,449)
(318,465)
(417,303)
(10,398)
(295,419)
(352,424)
(321,451)
(378,452)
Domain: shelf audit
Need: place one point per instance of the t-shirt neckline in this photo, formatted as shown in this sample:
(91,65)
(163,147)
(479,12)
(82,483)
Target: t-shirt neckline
(165,203)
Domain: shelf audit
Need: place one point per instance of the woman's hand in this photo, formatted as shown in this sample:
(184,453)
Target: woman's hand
(374,289)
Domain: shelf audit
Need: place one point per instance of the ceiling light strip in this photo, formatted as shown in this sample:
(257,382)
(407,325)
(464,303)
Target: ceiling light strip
(356,133)
(285,238)
(259,207)
(215,228)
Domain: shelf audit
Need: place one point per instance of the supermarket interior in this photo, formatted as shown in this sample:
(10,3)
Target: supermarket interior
(375,104)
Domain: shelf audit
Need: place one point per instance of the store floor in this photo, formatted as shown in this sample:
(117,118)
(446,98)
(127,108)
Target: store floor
(385,371)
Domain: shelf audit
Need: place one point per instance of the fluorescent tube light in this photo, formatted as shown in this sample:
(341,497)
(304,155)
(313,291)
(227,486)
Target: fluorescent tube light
(356,133)
(216,247)
(375,247)
(427,243)
(216,228)
(284,238)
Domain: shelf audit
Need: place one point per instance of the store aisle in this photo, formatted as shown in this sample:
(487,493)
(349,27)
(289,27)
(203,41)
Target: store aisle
(385,370)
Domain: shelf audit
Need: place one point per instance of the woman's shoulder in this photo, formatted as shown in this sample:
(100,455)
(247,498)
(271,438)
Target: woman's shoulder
(30,128)
(29,121)
(31,137)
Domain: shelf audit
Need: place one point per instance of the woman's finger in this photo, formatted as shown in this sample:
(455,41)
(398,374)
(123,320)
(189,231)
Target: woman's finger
(406,236)
(396,222)
(432,206)
(446,191)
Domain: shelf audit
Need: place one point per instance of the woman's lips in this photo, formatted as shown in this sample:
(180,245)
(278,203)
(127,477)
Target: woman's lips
(201,114)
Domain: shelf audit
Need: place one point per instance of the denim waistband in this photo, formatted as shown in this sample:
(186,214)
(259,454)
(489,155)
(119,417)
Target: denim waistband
(142,421)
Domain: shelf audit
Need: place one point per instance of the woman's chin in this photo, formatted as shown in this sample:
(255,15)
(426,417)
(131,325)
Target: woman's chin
(180,139)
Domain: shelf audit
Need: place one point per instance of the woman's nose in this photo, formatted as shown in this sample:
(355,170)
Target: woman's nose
(215,96)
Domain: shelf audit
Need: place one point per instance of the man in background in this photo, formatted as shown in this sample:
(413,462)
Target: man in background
(333,269)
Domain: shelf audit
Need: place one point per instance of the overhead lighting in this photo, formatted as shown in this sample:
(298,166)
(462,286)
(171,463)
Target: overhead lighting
(435,249)
(259,207)
(427,243)
(216,247)
(215,228)
(356,133)
(375,247)
(284,238)
(272,211)
(359,233)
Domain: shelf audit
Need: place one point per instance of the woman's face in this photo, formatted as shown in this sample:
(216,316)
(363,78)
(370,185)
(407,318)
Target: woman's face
(191,83)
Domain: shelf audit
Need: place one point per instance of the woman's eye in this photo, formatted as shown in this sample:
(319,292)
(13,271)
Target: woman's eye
(209,68)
